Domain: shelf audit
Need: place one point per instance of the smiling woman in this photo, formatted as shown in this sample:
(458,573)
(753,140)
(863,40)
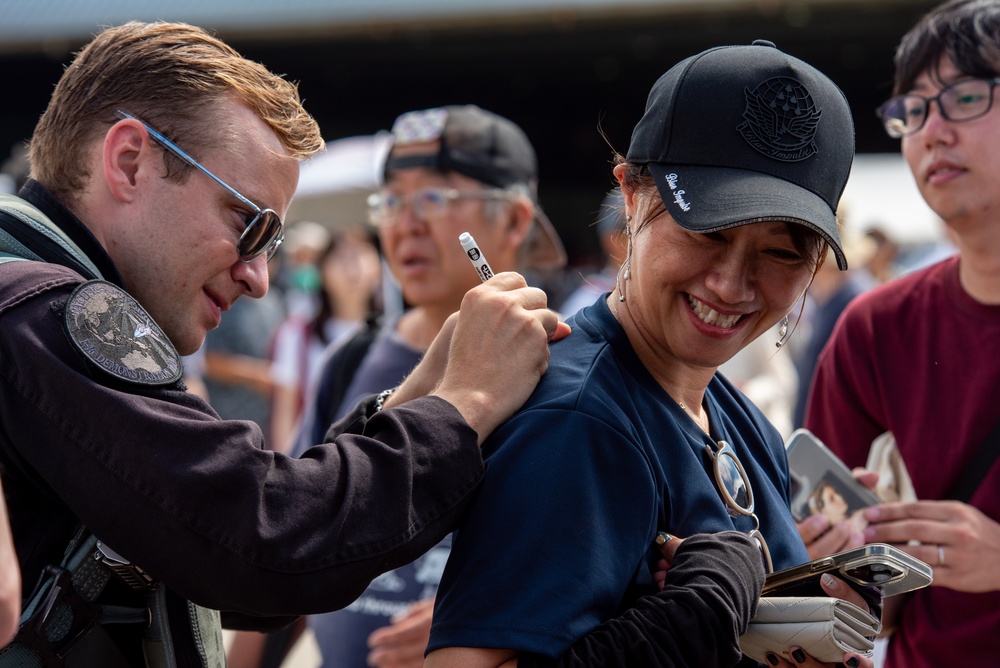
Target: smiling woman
(730,188)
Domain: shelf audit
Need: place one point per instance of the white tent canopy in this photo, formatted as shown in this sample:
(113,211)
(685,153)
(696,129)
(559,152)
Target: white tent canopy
(333,184)
(346,164)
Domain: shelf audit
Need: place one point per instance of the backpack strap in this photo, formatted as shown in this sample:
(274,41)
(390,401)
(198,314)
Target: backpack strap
(335,377)
(8,257)
(977,468)
(345,364)
(27,233)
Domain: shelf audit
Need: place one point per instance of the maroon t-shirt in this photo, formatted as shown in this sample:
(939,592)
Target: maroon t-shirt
(920,358)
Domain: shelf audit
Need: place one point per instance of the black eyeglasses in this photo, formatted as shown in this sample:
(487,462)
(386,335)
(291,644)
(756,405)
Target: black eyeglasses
(264,232)
(386,209)
(734,488)
(961,101)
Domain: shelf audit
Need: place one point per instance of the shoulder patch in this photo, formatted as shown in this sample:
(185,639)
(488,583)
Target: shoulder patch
(114,332)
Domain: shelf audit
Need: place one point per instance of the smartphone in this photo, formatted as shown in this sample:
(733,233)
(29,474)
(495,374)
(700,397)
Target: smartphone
(823,484)
(875,571)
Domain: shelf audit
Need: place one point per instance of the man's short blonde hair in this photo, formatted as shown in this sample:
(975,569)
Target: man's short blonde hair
(170,75)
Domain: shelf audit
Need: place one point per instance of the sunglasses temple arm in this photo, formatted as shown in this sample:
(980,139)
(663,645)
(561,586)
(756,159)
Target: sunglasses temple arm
(179,152)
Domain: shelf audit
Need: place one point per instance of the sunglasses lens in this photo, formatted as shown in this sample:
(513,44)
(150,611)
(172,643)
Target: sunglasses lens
(734,484)
(734,487)
(262,235)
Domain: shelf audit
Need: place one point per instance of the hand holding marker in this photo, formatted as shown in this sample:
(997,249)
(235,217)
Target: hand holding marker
(482,268)
(475,256)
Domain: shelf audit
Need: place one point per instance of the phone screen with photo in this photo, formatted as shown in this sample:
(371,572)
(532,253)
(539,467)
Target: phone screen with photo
(830,497)
(821,484)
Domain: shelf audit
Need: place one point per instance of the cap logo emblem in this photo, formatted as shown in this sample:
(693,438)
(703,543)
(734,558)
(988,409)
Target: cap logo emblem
(781,120)
(419,127)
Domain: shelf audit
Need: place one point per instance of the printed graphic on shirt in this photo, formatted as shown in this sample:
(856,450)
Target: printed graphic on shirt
(393,592)
(114,332)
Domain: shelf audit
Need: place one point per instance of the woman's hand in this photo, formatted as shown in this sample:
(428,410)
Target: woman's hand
(668,545)
(402,644)
(836,588)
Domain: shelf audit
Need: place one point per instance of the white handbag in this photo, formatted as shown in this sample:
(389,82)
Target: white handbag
(825,628)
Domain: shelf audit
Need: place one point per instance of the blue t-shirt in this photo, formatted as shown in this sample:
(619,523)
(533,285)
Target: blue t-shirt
(579,482)
(342,636)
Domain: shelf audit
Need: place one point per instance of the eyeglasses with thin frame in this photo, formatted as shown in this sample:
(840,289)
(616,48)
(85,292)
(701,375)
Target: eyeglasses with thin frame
(263,233)
(386,209)
(734,488)
(961,101)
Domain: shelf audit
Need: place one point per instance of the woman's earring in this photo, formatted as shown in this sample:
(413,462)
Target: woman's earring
(618,279)
(782,332)
(626,267)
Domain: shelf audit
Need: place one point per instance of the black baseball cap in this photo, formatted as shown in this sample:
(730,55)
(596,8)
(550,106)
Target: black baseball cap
(483,146)
(746,134)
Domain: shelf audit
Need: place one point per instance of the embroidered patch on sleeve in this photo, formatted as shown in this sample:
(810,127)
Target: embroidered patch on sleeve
(114,332)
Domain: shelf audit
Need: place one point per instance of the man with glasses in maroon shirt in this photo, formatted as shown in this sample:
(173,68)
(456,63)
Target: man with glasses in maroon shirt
(917,356)
(160,173)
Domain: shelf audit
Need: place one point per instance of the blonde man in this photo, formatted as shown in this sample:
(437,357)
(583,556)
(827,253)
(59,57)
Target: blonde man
(160,173)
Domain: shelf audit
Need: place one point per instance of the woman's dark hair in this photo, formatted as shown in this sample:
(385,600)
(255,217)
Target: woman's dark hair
(967,31)
(327,306)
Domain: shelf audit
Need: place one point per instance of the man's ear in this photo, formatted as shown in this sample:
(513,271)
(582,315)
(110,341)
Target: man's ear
(126,152)
(520,220)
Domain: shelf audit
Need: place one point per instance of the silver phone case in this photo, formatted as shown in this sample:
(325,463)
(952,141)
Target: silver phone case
(877,566)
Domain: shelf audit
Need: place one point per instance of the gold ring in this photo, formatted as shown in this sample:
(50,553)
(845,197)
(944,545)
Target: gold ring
(663,538)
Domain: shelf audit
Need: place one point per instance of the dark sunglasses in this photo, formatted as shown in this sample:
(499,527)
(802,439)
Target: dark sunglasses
(734,488)
(264,232)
